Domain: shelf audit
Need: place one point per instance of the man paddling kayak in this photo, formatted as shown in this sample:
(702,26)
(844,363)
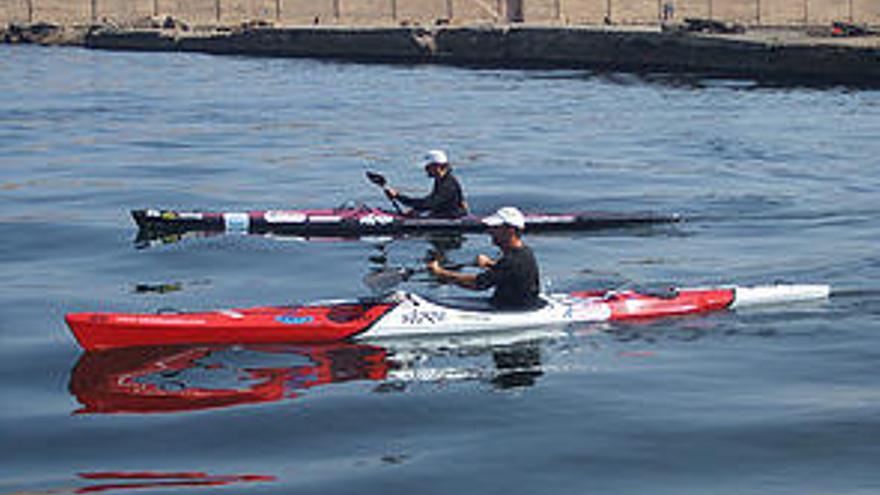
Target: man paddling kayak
(515,275)
(446,200)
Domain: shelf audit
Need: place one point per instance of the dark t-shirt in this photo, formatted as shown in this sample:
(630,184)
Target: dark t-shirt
(515,278)
(445,201)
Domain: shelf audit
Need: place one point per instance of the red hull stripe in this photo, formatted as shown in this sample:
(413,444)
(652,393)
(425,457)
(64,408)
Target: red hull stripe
(630,305)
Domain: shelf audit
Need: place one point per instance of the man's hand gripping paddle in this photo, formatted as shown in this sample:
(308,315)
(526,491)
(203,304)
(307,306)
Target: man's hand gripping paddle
(386,279)
(379,180)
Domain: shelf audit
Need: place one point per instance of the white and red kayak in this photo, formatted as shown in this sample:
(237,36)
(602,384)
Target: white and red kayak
(404,314)
(361,221)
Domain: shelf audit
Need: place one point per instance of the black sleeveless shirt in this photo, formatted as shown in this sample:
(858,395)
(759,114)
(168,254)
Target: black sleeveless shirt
(515,278)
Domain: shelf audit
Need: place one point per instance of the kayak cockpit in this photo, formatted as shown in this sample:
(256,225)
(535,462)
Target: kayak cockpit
(480,304)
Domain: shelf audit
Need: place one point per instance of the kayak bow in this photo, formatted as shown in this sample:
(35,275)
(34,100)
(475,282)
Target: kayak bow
(405,314)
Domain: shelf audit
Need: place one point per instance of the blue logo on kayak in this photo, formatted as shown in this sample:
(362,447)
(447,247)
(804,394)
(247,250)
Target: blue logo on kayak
(294,320)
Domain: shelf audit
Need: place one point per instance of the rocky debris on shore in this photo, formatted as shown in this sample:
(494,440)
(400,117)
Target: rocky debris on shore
(47,33)
(42,33)
(848,30)
(160,22)
(709,26)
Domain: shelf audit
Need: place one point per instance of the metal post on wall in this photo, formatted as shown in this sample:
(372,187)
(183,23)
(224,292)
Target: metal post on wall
(30,8)
(278,10)
(94,6)
(217,10)
(394,10)
(449,11)
(806,12)
(758,12)
(608,12)
(710,9)
(337,10)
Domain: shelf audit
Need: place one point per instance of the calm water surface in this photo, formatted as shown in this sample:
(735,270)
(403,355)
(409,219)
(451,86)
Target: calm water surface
(776,184)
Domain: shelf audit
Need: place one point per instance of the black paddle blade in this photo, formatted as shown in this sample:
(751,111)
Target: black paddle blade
(379,180)
(376,178)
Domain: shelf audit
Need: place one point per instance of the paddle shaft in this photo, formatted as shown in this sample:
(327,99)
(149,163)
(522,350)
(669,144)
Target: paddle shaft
(386,279)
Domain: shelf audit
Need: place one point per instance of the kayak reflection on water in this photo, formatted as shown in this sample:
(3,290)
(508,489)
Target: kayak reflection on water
(180,379)
(176,379)
(521,366)
(106,481)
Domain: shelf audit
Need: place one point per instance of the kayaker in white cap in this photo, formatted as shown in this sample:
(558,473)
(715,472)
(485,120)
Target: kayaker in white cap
(446,199)
(514,275)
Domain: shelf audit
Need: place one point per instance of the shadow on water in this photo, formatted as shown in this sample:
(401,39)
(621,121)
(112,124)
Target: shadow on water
(712,79)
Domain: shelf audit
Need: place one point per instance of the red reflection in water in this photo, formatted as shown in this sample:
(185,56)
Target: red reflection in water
(155,379)
(152,479)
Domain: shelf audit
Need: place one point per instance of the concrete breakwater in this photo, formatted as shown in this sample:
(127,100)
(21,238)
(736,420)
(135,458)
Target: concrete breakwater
(763,55)
(784,55)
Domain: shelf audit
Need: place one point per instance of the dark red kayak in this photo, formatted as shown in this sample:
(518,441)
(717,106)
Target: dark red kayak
(360,221)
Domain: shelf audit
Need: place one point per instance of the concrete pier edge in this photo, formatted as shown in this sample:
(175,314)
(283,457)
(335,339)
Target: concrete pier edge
(783,55)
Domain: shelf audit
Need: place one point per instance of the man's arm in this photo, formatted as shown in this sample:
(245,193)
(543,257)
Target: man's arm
(419,204)
(445,192)
(466,280)
(484,261)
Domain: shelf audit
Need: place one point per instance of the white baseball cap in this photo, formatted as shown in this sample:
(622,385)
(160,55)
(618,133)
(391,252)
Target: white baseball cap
(508,215)
(436,156)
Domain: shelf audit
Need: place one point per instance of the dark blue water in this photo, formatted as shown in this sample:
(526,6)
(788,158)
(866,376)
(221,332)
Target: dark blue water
(776,183)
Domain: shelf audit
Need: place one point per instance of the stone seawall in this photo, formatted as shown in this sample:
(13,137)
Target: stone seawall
(775,55)
(373,13)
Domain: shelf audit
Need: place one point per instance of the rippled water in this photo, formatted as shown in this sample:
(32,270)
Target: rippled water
(776,184)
